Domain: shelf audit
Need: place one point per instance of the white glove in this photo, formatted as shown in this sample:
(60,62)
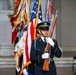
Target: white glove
(45,55)
(50,41)
(25,72)
(18,69)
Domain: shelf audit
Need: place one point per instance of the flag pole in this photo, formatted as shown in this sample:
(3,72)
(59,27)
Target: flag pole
(37,18)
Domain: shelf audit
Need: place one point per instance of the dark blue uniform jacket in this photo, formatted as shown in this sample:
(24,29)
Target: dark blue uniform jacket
(36,57)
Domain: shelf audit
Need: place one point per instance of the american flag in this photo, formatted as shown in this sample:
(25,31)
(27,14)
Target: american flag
(31,31)
(34,11)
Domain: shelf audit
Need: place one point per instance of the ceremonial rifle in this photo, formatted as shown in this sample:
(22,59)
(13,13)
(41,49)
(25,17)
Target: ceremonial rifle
(46,61)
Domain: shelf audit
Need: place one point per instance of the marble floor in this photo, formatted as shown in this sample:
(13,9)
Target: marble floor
(60,71)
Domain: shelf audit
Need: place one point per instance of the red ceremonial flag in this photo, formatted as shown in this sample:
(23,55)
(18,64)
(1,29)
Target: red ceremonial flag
(48,10)
(14,19)
(16,5)
(14,34)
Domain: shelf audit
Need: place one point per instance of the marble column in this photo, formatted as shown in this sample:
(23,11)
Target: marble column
(11,4)
(6,48)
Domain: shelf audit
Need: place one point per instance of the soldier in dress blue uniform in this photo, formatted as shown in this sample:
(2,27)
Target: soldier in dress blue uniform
(38,55)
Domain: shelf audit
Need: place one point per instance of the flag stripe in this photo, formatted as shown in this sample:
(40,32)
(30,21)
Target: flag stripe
(26,47)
